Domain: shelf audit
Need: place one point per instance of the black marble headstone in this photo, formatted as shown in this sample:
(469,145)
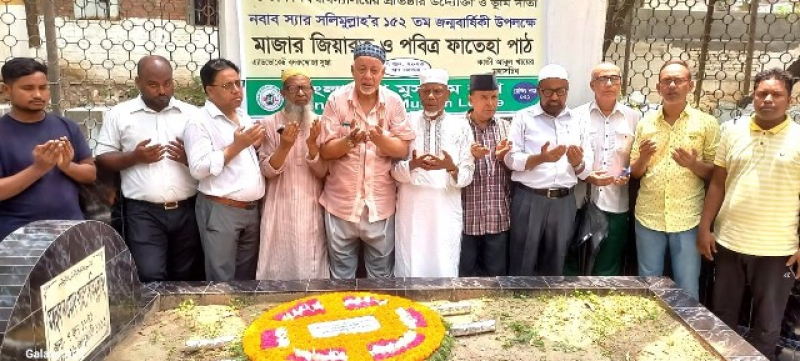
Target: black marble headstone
(35,254)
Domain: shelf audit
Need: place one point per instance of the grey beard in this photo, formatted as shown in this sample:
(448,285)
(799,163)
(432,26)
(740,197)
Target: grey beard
(298,114)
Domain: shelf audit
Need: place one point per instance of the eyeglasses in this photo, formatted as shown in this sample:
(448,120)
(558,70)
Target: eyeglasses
(293,89)
(549,92)
(238,84)
(437,92)
(668,81)
(604,79)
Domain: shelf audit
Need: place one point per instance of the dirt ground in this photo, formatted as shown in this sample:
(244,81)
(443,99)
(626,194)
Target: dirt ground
(554,328)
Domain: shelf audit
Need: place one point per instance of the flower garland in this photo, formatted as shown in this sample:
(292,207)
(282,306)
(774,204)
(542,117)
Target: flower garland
(351,326)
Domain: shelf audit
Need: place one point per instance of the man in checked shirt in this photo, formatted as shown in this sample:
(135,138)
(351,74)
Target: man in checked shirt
(487,200)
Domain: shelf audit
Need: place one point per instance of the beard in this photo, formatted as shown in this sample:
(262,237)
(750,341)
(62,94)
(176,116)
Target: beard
(300,114)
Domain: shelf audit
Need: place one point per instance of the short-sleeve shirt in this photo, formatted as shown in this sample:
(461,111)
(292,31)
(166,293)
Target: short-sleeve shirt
(671,196)
(759,215)
(362,176)
(54,196)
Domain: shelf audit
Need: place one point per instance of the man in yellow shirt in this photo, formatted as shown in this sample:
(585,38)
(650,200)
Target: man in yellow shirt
(755,196)
(672,154)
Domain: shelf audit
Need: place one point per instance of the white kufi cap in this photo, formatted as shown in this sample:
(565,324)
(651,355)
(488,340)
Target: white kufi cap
(553,71)
(433,76)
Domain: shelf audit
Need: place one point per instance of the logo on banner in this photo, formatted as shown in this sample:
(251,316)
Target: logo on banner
(269,98)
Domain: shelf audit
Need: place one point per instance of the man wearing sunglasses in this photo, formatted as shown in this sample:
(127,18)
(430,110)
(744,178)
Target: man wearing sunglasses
(547,158)
(222,146)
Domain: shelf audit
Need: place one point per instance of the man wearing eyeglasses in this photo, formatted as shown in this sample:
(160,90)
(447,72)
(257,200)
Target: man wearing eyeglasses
(672,153)
(143,140)
(547,158)
(608,126)
(292,230)
(222,147)
(364,128)
(428,228)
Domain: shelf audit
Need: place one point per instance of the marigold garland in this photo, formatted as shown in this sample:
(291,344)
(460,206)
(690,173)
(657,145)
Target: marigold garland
(407,330)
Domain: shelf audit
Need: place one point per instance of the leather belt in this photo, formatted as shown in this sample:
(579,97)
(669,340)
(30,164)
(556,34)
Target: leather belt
(232,203)
(166,205)
(553,193)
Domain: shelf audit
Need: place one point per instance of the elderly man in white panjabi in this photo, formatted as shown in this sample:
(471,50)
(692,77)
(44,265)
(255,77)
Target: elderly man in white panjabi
(429,214)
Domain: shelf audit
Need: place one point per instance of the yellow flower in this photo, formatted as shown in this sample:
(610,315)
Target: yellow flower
(355,344)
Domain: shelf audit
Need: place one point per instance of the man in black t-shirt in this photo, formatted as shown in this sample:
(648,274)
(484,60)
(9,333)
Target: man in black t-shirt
(43,156)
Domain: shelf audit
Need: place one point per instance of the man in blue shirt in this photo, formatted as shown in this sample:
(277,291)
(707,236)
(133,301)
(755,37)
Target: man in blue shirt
(43,156)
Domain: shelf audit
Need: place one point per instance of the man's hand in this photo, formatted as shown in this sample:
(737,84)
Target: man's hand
(446,162)
(647,148)
(794,260)
(314,131)
(67,154)
(707,245)
(502,149)
(478,151)
(621,180)
(417,162)
(600,178)
(684,158)
(376,134)
(357,136)
(148,154)
(243,138)
(574,155)
(176,152)
(549,156)
(47,155)
(289,135)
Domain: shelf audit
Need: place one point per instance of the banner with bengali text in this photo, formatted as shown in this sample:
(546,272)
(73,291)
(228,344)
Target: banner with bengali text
(465,37)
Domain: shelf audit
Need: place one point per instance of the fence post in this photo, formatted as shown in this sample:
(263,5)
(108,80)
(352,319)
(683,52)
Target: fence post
(751,40)
(701,65)
(53,71)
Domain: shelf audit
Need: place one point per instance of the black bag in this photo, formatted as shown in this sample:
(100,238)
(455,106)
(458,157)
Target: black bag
(591,228)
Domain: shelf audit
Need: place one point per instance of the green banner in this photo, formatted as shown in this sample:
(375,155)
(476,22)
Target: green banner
(264,96)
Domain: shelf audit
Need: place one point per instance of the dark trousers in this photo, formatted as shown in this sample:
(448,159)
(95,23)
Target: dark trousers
(164,243)
(770,283)
(483,256)
(541,231)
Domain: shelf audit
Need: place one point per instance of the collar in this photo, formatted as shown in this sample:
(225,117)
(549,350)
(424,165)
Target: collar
(214,111)
(469,119)
(617,107)
(684,113)
(775,130)
(537,111)
(138,104)
(436,118)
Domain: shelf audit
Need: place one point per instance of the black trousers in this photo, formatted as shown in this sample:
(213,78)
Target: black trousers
(164,243)
(770,283)
(484,256)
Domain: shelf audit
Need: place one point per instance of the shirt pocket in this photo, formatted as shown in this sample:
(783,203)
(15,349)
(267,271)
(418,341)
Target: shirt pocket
(694,140)
(623,142)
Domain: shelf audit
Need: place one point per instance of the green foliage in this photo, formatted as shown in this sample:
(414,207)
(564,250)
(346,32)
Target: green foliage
(445,348)
(191,92)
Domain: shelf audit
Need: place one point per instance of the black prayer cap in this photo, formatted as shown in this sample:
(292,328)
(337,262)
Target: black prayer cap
(479,82)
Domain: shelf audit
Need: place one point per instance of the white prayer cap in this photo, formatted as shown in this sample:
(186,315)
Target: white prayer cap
(553,71)
(433,76)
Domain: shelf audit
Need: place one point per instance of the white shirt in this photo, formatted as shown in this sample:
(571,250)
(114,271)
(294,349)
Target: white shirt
(206,137)
(530,129)
(131,122)
(611,139)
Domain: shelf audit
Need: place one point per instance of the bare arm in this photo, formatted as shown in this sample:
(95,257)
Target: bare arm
(703,170)
(45,157)
(84,172)
(117,161)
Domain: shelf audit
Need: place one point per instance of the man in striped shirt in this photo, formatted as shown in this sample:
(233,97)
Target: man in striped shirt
(487,201)
(755,196)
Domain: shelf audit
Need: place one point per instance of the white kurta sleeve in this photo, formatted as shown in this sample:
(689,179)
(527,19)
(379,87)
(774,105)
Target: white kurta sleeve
(465,160)
(516,158)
